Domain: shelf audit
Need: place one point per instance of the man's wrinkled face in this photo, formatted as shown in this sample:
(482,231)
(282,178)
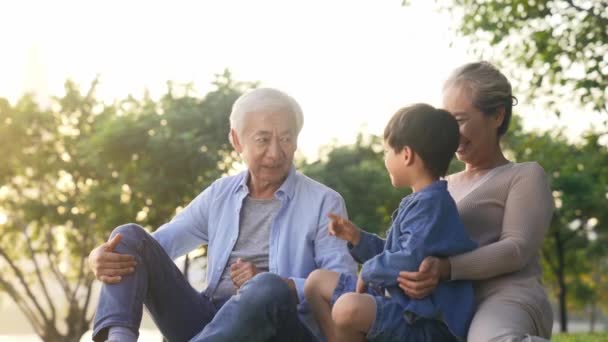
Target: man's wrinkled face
(267,144)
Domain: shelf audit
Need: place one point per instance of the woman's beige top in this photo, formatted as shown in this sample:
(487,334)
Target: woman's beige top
(508,212)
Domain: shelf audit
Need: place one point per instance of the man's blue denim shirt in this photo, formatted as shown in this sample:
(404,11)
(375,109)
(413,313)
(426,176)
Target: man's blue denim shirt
(426,224)
(299,241)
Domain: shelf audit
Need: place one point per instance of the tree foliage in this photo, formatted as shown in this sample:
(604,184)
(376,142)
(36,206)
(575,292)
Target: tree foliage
(560,45)
(577,238)
(74,171)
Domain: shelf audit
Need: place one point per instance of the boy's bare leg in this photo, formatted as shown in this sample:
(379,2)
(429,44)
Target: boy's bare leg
(353,315)
(319,288)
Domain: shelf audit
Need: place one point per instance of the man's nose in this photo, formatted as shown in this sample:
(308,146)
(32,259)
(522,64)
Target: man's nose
(274,149)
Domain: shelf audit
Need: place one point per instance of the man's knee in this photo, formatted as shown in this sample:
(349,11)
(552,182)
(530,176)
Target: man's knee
(129,231)
(265,288)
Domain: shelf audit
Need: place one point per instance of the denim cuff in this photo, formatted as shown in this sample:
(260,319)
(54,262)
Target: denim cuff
(365,249)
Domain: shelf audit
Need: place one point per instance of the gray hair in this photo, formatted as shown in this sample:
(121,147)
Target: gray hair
(264,100)
(490,89)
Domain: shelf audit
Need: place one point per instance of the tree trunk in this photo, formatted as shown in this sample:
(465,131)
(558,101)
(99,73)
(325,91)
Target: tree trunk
(52,335)
(592,317)
(561,269)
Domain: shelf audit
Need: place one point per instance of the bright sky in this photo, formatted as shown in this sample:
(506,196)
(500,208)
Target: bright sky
(350,63)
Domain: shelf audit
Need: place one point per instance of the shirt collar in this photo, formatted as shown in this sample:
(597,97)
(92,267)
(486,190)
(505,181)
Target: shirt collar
(286,189)
(438,185)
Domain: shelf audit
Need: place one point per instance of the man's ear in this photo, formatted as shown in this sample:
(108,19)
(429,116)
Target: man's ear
(234,140)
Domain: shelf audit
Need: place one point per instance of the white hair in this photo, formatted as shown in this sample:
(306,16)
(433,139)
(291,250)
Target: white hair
(264,100)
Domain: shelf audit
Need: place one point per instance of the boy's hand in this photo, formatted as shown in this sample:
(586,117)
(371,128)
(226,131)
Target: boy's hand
(343,229)
(361,285)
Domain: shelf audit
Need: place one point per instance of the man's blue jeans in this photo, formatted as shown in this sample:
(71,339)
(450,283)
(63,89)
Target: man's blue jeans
(264,309)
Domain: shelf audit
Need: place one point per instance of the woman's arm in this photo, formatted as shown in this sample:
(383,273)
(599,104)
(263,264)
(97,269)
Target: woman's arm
(422,283)
(527,215)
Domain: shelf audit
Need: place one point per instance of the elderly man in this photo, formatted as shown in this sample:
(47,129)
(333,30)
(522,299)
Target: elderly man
(266,230)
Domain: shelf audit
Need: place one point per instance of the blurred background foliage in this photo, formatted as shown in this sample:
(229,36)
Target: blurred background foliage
(73,170)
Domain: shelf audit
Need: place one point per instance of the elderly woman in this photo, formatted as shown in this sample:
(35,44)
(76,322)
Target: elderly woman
(266,231)
(505,206)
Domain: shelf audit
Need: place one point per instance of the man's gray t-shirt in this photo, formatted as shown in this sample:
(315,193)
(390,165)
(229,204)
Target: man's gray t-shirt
(252,244)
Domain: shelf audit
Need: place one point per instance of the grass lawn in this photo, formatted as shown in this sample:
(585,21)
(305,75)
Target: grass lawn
(598,337)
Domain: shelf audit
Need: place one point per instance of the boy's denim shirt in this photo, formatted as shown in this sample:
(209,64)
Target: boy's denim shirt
(426,224)
(299,241)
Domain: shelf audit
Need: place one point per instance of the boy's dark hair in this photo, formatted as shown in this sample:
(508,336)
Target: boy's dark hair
(430,132)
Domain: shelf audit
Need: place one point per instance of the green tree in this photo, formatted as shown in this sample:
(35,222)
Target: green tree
(560,44)
(74,171)
(578,231)
(42,186)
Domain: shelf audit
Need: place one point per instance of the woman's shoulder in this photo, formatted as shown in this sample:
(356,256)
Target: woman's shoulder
(454,176)
(509,172)
(528,169)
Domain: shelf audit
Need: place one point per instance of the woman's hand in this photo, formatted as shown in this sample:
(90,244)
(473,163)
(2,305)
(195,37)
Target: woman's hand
(343,229)
(420,284)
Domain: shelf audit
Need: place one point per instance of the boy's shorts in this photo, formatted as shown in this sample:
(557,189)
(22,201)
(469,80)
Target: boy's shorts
(391,323)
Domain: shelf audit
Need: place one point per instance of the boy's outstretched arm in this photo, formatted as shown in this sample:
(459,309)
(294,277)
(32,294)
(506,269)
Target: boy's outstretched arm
(343,229)
(362,245)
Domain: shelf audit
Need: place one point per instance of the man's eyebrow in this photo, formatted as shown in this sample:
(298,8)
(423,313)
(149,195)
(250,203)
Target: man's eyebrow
(285,132)
(262,133)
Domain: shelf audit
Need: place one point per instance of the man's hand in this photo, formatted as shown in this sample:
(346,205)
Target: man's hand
(241,271)
(420,284)
(343,229)
(109,267)
(361,285)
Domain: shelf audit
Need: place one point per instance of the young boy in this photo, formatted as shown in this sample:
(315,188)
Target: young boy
(420,142)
